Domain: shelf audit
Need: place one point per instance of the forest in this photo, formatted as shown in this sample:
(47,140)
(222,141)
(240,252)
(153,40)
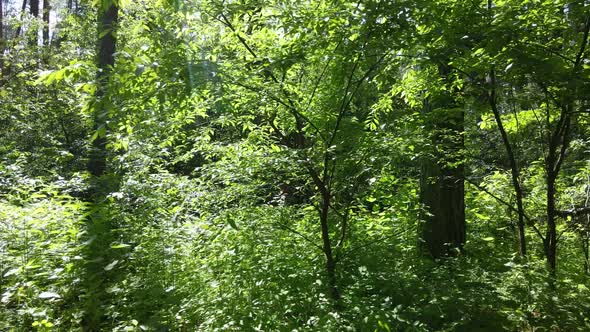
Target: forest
(294,165)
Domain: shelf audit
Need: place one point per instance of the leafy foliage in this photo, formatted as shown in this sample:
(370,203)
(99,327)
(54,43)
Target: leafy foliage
(263,165)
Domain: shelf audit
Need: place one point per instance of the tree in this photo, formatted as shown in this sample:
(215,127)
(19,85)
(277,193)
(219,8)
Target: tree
(442,176)
(99,223)
(543,65)
(268,165)
(34,8)
(46,13)
(108,14)
(443,228)
(2,42)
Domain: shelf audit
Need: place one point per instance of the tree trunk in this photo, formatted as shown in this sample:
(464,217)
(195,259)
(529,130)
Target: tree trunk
(325,231)
(106,60)
(443,228)
(585,249)
(99,222)
(2,73)
(46,12)
(512,160)
(442,193)
(22,15)
(1,23)
(558,145)
(34,8)
(34,11)
(327,248)
(551,236)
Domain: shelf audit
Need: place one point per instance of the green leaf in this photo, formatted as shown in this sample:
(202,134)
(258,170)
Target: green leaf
(111,265)
(232,222)
(120,245)
(49,295)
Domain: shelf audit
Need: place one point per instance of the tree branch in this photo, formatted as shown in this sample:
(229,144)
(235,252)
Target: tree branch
(508,205)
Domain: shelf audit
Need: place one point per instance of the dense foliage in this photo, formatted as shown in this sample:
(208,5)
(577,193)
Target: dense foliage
(302,165)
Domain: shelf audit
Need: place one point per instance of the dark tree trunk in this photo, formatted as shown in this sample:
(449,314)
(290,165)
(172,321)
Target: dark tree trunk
(558,145)
(584,238)
(106,60)
(1,23)
(2,73)
(442,193)
(513,166)
(99,222)
(34,8)
(22,13)
(34,11)
(327,247)
(551,236)
(443,227)
(325,231)
(46,12)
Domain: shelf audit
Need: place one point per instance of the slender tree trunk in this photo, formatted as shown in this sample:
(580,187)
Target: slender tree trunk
(550,241)
(513,166)
(327,247)
(585,249)
(585,233)
(558,145)
(34,11)
(551,236)
(2,44)
(2,23)
(443,229)
(22,16)
(46,12)
(325,231)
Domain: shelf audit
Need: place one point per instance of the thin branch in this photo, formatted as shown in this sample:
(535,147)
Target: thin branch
(302,236)
(291,105)
(508,205)
(575,212)
(320,78)
(259,90)
(545,48)
(564,143)
(584,44)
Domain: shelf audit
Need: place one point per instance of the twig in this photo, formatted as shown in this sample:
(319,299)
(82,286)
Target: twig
(529,220)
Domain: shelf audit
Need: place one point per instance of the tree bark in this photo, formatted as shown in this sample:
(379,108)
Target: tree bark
(99,222)
(325,231)
(585,249)
(443,228)
(327,247)
(34,8)
(551,233)
(558,145)
(106,60)
(46,12)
